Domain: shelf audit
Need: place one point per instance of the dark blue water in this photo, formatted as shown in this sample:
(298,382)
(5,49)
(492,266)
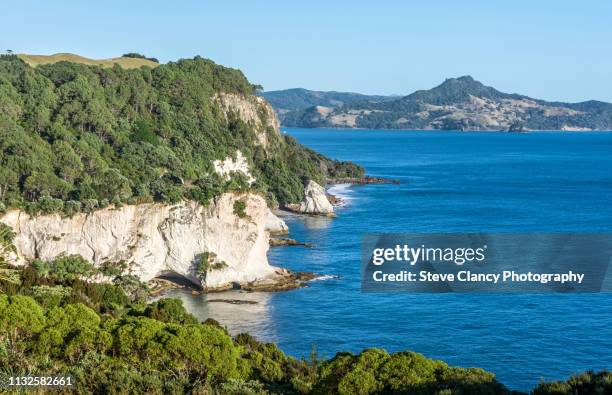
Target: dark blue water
(451,182)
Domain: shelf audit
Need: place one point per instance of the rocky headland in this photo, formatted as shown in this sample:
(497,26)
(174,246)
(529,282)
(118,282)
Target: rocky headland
(179,187)
(210,246)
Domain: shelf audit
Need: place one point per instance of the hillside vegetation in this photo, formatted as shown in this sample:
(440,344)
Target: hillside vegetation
(78,137)
(457,104)
(54,321)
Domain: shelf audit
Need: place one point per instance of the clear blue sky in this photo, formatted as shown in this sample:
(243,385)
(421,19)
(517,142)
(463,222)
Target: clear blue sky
(556,50)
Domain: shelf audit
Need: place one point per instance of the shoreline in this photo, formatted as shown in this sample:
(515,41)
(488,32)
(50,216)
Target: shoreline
(284,279)
(452,130)
(362,181)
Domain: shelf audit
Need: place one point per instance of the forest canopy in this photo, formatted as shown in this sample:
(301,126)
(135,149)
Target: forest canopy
(109,338)
(75,137)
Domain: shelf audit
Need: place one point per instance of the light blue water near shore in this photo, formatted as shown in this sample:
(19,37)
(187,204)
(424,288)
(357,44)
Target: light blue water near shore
(451,182)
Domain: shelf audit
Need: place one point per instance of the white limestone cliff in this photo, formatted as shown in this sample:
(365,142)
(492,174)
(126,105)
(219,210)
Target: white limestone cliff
(156,238)
(315,201)
(228,166)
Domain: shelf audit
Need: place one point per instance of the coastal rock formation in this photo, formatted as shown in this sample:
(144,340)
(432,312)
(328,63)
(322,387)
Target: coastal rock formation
(253,110)
(238,165)
(275,225)
(157,238)
(315,201)
(287,242)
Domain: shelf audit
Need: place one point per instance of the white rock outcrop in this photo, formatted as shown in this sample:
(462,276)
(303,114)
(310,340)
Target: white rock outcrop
(254,110)
(315,201)
(275,225)
(240,165)
(155,238)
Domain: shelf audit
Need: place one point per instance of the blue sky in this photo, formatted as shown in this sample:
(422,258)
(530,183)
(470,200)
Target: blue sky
(555,50)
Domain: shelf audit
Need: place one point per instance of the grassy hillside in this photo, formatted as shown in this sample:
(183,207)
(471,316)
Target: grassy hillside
(126,63)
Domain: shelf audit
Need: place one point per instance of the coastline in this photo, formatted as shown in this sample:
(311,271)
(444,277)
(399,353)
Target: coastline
(339,128)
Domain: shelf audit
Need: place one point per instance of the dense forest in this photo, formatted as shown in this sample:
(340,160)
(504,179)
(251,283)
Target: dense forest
(75,137)
(56,321)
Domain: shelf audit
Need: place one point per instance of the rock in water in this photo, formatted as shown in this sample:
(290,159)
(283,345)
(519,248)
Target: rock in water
(315,201)
(275,225)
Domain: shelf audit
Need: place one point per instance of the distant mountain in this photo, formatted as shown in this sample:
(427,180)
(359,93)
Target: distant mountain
(300,99)
(457,104)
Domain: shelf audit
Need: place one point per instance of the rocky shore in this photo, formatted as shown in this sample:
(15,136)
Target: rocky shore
(363,180)
(287,242)
(282,280)
(334,200)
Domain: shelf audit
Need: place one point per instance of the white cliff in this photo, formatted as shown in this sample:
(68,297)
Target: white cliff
(155,238)
(228,166)
(315,201)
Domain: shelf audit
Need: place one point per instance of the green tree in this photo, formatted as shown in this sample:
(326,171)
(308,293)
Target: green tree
(20,317)
(6,248)
(71,332)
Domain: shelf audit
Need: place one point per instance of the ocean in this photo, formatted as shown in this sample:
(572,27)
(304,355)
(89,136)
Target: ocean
(450,182)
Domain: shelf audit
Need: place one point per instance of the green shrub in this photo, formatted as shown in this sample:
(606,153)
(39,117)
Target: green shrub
(136,290)
(49,205)
(66,268)
(218,265)
(584,383)
(113,269)
(377,372)
(242,387)
(72,207)
(203,263)
(7,235)
(20,317)
(169,310)
(50,296)
(239,209)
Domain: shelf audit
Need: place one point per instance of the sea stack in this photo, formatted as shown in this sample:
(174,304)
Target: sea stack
(315,201)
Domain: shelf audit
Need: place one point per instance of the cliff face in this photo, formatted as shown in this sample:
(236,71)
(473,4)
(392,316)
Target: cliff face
(253,110)
(155,238)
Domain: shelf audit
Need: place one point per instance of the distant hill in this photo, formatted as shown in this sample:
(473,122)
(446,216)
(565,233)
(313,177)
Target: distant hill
(457,104)
(300,99)
(125,62)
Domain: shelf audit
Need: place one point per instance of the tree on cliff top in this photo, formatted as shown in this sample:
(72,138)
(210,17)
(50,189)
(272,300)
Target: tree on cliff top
(6,247)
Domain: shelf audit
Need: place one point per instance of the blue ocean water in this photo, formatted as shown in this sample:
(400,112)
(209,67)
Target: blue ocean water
(450,182)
